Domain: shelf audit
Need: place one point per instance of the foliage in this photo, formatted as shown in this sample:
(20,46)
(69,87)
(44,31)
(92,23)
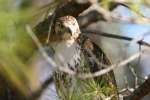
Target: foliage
(15,46)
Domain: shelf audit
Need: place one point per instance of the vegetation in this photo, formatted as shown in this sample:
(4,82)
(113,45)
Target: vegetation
(17,47)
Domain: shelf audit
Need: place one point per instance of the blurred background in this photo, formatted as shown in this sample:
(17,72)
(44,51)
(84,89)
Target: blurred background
(17,49)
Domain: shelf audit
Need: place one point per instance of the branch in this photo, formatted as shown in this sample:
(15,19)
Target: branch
(142,91)
(114,4)
(90,17)
(35,95)
(96,32)
(72,8)
(51,62)
(80,75)
(110,68)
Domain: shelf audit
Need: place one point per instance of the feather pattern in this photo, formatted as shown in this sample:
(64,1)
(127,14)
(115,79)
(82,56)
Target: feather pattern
(75,51)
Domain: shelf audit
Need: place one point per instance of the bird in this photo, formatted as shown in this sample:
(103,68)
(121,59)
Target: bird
(77,52)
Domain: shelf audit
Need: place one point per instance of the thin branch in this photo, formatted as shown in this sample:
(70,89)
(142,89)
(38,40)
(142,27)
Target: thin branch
(89,18)
(99,63)
(39,92)
(113,17)
(68,7)
(45,55)
(80,75)
(115,3)
(140,92)
(110,68)
(135,75)
(94,32)
(140,37)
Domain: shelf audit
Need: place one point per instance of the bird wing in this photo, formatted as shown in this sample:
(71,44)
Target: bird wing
(96,59)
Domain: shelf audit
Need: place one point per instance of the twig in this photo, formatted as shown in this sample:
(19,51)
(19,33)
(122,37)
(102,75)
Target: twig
(106,70)
(39,92)
(68,7)
(81,75)
(140,37)
(110,97)
(45,55)
(50,27)
(140,92)
(94,32)
(96,60)
(113,17)
(89,18)
(135,75)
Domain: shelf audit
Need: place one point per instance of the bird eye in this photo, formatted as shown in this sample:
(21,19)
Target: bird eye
(59,24)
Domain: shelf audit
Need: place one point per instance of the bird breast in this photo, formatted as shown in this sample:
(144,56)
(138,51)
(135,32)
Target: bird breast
(67,55)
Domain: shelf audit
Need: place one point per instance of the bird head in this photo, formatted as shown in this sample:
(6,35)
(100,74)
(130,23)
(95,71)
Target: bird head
(67,28)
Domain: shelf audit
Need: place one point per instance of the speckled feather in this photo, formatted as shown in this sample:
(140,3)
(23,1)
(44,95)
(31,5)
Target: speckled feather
(73,52)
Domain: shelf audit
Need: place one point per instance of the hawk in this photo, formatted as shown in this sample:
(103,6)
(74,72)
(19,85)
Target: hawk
(74,51)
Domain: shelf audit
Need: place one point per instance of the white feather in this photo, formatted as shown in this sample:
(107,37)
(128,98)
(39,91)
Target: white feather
(66,53)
